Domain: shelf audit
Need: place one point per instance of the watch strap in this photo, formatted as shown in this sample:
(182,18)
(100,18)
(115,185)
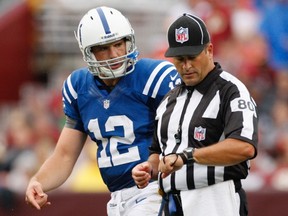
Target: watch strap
(184,158)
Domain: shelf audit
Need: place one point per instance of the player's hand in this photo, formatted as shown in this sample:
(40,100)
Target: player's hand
(35,195)
(141,174)
(169,164)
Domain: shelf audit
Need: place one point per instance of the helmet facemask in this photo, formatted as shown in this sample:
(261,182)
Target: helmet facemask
(103,69)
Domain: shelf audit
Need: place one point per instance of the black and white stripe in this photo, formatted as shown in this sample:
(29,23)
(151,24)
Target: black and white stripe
(221,105)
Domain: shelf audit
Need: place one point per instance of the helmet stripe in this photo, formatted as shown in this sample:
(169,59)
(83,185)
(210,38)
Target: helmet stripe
(103,20)
(80,34)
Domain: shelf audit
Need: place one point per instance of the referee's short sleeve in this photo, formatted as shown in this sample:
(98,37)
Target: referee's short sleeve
(155,147)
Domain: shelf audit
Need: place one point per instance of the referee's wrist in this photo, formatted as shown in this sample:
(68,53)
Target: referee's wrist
(184,159)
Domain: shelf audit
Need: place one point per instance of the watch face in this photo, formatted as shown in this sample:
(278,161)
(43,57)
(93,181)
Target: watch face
(189,149)
(189,154)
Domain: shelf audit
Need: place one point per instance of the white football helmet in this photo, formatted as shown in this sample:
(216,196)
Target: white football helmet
(103,25)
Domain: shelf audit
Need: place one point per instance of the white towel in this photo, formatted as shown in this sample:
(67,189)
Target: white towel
(220,199)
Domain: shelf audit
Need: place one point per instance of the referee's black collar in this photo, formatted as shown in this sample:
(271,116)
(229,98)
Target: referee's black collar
(203,86)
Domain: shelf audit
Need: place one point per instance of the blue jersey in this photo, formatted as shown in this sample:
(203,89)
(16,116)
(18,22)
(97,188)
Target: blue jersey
(121,122)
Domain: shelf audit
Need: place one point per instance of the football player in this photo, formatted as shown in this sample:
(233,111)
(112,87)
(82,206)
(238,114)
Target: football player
(113,101)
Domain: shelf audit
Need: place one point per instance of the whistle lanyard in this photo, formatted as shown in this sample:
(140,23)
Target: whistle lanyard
(178,135)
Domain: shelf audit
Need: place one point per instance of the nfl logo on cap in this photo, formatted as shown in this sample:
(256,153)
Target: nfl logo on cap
(187,36)
(182,35)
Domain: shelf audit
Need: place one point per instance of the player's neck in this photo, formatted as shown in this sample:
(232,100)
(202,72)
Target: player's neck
(111,82)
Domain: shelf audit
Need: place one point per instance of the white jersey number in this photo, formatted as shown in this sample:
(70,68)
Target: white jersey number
(110,146)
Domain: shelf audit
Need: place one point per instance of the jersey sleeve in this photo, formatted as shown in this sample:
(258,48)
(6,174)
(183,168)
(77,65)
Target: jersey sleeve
(155,147)
(162,78)
(69,99)
(240,114)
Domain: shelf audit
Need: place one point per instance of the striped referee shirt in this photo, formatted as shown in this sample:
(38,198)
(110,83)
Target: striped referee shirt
(219,107)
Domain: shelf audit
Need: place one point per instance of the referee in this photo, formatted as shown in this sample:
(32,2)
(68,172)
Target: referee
(206,131)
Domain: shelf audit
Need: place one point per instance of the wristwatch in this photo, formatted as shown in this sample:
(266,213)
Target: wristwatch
(187,155)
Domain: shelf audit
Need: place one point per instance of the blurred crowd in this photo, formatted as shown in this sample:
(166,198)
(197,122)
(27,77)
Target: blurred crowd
(250,39)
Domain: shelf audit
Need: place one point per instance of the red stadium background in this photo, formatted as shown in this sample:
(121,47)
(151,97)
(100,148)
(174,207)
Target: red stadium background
(16,53)
(16,32)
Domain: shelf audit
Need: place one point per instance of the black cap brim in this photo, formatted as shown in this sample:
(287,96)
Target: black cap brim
(184,51)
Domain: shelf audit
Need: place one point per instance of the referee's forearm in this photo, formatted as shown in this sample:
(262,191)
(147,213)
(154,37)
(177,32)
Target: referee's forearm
(225,153)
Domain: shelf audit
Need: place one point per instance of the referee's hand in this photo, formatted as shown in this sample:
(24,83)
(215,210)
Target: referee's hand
(169,164)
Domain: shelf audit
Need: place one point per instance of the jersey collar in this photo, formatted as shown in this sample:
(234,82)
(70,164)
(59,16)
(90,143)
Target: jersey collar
(209,79)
